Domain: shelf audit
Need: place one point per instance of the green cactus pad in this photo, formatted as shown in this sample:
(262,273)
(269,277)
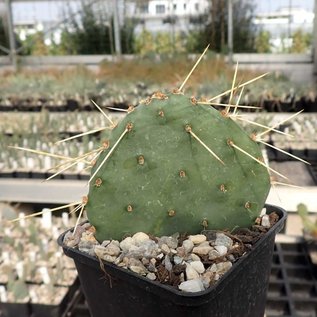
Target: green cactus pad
(175,170)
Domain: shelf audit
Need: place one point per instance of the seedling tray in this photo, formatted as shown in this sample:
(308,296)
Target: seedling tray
(292,290)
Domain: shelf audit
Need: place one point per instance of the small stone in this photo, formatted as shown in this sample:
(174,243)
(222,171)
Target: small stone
(145,261)
(109,258)
(99,251)
(112,249)
(198,266)
(167,263)
(102,253)
(197,238)
(222,250)
(138,269)
(148,249)
(194,257)
(89,237)
(265,222)
(137,266)
(212,268)
(213,254)
(204,250)
(222,239)
(165,249)
(119,259)
(105,243)
(188,245)
(139,238)
(173,251)
(125,260)
(223,267)
(207,278)
(151,276)
(160,256)
(203,244)
(192,286)
(72,240)
(151,267)
(126,244)
(171,242)
(87,246)
(231,258)
(115,242)
(178,259)
(181,251)
(191,273)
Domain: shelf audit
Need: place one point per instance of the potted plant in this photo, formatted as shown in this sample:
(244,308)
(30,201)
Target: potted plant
(175,165)
(309,232)
(172,186)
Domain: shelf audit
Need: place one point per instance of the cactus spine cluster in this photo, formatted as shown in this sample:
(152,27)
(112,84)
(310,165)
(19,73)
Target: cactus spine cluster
(176,165)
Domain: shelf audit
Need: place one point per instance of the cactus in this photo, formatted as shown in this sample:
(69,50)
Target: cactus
(309,225)
(176,165)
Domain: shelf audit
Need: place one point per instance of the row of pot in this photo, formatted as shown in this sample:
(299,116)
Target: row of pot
(104,94)
(51,126)
(57,125)
(70,105)
(42,174)
(21,159)
(34,273)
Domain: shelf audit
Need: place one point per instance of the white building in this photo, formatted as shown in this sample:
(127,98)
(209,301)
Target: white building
(283,22)
(154,15)
(161,15)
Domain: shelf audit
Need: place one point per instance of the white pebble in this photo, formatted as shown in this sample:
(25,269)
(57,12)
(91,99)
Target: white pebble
(194,257)
(139,238)
(138,269)
(213,254)
(265,222)
(188,245)
(223,267)
(191,273)
(126,244)
(197,238)
(202,250)
(192,286)
(165,249)
(151,276)
(177,259)
(222,250)
(198,266)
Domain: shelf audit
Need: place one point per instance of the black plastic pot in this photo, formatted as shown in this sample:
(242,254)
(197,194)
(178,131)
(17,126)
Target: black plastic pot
(241,292)
(15,309)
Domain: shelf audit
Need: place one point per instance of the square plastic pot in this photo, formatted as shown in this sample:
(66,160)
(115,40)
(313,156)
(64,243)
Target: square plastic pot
(15,309)
(241,292)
